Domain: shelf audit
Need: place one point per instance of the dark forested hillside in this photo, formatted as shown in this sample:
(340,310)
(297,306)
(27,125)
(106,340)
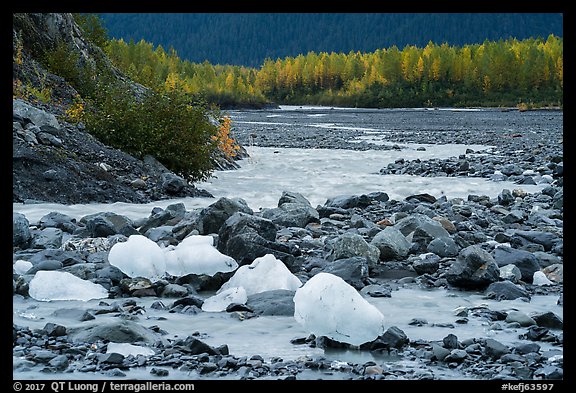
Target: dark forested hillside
(249,38)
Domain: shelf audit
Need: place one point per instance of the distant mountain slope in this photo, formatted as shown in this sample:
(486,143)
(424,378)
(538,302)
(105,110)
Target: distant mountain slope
(249,38)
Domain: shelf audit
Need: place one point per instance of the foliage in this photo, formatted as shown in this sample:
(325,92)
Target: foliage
(30,92)
(505,71)
(66,63)
(492,73)
(163,70)
(93,27)
(164,125)
(75,112)
(249,38)
(29,89)
(226,143)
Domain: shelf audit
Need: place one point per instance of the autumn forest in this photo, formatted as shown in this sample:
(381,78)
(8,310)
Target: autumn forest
(495,73)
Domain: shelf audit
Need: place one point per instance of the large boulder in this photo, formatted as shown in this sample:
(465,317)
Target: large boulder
(21,235)
(273,302)
(524,260)
(392,244)
(473,268)
(353,271)
(212,217)
(351,245)
(246,237)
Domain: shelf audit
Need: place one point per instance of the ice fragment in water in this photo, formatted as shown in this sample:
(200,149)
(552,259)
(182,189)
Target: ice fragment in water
(263,274)
(50,285)
(222,300)
(327,306)
(197,255)
(139,257)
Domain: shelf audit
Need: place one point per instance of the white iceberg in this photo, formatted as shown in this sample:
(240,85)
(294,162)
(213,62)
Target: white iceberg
(197,255)
(263,274)
(47,285)
(139,257)
(327,306)
(222,300)
(21,266)
(539,278)
(128,349)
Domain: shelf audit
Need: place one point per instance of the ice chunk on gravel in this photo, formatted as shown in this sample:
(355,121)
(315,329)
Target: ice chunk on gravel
(327,306)
(47,285)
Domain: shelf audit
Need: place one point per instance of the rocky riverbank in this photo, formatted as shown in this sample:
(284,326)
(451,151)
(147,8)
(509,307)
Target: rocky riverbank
(54,161)
(509,247)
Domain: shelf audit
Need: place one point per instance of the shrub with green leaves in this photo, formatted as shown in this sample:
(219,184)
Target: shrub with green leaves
(164,125)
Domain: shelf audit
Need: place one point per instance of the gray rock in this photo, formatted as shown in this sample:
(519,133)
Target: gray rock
(60,362)
(85,271)
(439,352)
(506,290)
(107,223)
(393,337)
(514,216)
(505,197)
(456,355)
(351,245)
(293,197)
(427,265)
(510,272)
(426,232)
(194,346)
(138,184)
(546,259)
(121,331)
(352,270)
(292,215)
(443,247)
(47,238)
(161,233)
(450,341)
(409,224)
(172,184)
(558,200)
(275,302)
(112,357)
(66,258)
(54,330)
(49,139)
(524,260)
(37,116)
(21,235)
(474,268)
(520,318)
(348,201)
(392,244)
(58,220)
(548,320)
(246,237)
(495,349)
(45,265)
(525,348)
(50,174)
(174,290)
(211,218)
(555,273)
(546,239)
(163,217)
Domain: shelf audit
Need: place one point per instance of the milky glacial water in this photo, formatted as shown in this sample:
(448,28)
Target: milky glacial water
(318,174)
(269,336)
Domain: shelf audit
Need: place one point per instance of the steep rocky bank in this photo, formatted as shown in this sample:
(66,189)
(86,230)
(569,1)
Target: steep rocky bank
(56,161)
